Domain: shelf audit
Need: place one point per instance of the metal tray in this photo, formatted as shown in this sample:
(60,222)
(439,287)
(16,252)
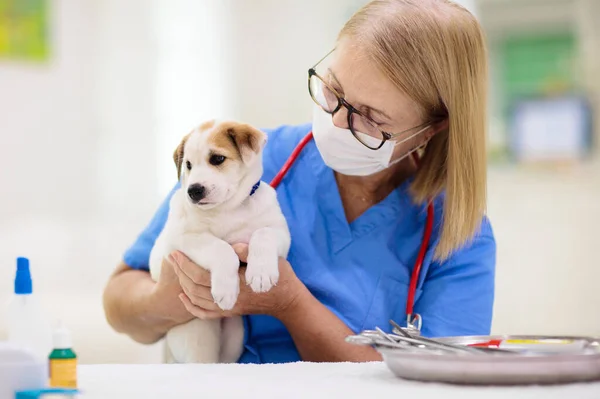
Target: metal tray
(489,368)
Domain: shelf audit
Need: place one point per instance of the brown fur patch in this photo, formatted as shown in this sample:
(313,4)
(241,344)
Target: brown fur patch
(237,139)
(220,140)
(206,125)
(178,154)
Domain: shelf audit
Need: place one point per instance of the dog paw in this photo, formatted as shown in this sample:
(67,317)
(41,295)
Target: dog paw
(262,274)
(225,291)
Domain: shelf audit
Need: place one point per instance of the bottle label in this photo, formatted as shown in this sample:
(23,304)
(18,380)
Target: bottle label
(63,373)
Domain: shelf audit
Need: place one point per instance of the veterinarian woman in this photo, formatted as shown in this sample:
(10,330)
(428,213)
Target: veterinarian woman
(404,75)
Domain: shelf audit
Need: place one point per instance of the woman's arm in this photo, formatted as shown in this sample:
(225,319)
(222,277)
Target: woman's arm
(319,334)
(144,310)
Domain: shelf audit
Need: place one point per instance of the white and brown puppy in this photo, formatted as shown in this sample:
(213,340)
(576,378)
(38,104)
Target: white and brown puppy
(221,202)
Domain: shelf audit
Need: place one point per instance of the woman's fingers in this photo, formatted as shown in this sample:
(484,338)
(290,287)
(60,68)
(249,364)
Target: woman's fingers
(192,289)
(190,307)
(197,311)
(198,295)
(196,284)
(204,304)
(194,272)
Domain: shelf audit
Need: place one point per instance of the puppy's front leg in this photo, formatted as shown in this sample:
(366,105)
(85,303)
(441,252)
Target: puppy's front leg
(220,259)
(262,272)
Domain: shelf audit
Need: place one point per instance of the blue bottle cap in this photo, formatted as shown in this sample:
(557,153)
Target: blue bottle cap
(23,278)
(40,393)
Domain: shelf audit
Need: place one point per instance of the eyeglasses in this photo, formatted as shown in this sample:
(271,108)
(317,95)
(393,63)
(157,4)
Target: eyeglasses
(363,128)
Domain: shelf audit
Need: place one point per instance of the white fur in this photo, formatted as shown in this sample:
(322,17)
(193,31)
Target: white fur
(205,232)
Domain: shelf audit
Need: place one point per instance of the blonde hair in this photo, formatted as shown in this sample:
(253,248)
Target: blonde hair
(434,51)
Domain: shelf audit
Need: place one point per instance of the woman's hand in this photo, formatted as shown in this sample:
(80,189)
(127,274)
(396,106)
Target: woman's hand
(318,333)
(198,300)
(165,294)
(136,305)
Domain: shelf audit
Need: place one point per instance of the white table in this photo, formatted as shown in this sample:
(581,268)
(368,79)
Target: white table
(289,381)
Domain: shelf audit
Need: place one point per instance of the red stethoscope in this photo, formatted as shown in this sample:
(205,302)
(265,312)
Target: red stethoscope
(413,320)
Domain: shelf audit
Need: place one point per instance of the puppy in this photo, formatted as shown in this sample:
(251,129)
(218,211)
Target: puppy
(221,202)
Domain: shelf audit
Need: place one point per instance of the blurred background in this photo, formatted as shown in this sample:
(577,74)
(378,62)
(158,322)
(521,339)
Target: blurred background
(95,95)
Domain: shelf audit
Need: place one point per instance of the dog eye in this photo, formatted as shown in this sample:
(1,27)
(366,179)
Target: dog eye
(216,160)
(188,165)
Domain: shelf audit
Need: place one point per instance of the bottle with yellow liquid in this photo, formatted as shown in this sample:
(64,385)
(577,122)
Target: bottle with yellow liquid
(62,360)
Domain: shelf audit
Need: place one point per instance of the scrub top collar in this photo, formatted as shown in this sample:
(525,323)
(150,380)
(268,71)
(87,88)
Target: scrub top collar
(392,209)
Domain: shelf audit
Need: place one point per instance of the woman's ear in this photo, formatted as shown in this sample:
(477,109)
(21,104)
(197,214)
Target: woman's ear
(441,125)
(436,128)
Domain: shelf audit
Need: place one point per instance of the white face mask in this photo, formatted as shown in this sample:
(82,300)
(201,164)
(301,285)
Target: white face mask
(342,152)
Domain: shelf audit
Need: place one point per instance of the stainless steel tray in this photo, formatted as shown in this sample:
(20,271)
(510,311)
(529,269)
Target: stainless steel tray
(421,363)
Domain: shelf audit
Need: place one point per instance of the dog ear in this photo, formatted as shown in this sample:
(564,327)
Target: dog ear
(247,141)
(178,155)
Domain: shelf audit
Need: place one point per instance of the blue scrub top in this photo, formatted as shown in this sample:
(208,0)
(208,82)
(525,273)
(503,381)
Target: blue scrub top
(359,270)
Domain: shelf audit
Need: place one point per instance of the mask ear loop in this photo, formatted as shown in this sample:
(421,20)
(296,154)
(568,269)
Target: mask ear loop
(414,153)
(414,150)
(421,148)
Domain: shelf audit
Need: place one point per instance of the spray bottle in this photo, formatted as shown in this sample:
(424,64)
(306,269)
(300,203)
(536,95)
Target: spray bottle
(27,325)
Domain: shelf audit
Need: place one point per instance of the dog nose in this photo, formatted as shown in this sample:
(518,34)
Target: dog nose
(196,192)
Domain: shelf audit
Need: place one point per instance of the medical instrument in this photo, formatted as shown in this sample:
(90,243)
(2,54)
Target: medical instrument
(550,345)
(403,340)
(463,360)
(406,336)
(413,320)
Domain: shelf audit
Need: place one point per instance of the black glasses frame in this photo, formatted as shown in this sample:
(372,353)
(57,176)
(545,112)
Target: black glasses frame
(351,109)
